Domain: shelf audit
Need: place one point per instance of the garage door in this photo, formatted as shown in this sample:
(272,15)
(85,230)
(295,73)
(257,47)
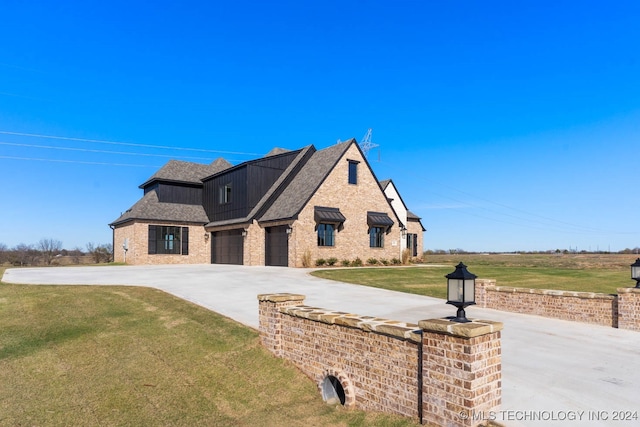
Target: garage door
(227,247)
(277,246)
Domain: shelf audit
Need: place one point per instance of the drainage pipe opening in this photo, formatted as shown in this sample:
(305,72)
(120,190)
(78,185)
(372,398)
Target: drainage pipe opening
(332,391)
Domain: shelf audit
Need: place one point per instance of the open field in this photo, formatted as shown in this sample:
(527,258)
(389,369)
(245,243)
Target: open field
(129,356)
(602,273)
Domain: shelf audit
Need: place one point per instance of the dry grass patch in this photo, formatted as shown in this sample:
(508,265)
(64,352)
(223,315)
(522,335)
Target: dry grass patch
(125,356)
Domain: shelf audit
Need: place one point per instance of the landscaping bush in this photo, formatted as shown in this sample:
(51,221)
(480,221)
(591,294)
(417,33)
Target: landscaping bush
(320,262)
(357,262)
(306,259)
(384,261)
(331,261)
(396,261)
(345,263)
(372,261)
(406,256)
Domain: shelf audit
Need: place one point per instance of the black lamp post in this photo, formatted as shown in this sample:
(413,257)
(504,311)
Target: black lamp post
(461,291)
(635,272)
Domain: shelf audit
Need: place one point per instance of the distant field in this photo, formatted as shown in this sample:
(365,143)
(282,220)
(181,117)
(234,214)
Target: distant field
(602,273)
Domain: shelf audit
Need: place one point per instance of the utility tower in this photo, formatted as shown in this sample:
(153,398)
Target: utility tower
(366,143)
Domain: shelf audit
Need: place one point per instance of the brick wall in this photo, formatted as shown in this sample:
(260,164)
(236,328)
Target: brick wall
(353,201)
(377,361)
(629,308)
(138,253)
(618,311)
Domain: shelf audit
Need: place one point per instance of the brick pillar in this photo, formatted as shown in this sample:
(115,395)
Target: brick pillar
(462,372)
(481,291)
(270,318)
(629,308)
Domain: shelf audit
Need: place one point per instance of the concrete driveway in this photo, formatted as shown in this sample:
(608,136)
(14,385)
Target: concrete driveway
(554,372)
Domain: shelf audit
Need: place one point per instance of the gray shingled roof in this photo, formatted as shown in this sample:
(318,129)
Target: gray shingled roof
(149,208)
(189,172)
(306,182)
(275,151)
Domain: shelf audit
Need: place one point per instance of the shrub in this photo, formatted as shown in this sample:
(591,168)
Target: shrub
(357,262)
(384,261)
(306,258)
(372,261)
(345,263)
(406,255)
(320,262)
(332,261)
(395,261)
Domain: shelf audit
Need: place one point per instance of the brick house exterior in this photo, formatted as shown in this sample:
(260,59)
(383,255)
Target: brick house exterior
(288,208)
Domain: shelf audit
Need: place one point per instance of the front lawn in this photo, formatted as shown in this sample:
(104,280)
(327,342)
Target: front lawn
(128,356)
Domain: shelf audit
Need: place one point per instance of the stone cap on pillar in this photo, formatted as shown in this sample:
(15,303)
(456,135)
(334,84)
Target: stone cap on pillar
(283,297)
(473,329)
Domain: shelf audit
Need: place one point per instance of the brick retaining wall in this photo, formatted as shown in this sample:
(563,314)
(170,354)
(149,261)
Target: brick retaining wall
(377,361)
(618,311)
(629,308)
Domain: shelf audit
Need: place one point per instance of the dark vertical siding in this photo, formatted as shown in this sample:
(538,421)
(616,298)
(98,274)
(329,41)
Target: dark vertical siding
(170,193)
(249,183)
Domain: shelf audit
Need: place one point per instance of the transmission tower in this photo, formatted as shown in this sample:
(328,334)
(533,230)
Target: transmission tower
(366,145)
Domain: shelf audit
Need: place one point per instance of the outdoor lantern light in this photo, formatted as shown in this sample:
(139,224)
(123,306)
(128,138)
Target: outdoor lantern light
(635,272)
(461,291)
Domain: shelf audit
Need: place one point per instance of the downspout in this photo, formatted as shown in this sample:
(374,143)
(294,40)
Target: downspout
(113,243)
(420,379)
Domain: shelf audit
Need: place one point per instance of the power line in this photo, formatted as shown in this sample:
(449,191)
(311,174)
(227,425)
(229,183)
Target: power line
(77,161)
(130,144)
(88,150)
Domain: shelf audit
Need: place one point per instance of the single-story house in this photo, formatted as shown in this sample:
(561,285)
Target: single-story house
(288,208)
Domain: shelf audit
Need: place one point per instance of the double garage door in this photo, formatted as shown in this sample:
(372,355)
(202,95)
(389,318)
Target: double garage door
(227,247)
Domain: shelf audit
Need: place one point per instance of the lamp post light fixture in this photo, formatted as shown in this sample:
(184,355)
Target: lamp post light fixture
(461,291)
(635,272)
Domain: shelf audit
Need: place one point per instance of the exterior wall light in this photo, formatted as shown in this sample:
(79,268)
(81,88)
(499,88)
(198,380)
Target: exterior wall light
(244,233)
(635,272)
(461,291)
(404,231)
(206,236)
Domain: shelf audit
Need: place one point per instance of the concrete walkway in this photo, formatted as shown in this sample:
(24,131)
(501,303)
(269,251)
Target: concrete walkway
(555,373)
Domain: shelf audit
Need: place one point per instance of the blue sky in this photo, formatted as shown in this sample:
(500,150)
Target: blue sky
(505,125)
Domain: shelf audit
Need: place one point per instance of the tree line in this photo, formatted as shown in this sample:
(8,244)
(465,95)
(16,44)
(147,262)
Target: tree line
(51,252)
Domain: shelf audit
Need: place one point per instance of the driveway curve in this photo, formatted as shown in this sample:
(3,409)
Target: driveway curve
(555,373)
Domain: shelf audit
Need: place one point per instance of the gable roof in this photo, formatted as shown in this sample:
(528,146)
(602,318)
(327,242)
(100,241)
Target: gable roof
(150,208)
(187,172)
(295,196)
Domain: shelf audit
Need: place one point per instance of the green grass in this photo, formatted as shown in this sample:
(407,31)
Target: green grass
(127,356)
(575,272)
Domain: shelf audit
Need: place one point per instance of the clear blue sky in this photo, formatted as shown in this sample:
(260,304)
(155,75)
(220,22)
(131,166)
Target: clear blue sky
(505,125)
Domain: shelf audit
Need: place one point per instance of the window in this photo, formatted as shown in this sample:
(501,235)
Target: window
(325,234)
(168,240)
(376,237)
(412,244)
(353,172)
(224,194)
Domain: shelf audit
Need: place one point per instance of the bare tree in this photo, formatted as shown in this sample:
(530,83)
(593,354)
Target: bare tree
(76,255)
(4,253)
(100,253)
(22,255)
(49,248)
